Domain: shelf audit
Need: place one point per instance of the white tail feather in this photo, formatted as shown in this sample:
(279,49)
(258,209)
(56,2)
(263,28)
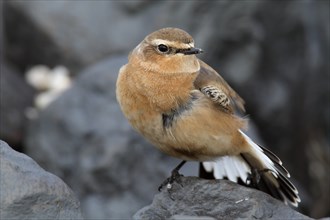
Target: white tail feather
(239,167)
(232,167)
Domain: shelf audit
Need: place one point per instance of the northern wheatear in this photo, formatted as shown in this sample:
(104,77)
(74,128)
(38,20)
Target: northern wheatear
(187,110)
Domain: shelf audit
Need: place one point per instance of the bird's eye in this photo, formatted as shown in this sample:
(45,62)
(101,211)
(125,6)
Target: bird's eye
(163,48)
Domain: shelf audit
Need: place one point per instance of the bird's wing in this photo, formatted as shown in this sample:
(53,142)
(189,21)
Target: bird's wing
(212,85)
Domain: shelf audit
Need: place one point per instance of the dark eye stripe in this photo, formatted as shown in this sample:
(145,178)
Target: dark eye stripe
(170,50)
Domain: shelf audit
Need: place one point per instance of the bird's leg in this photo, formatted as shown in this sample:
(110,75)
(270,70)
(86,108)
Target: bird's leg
(174,176)
(255,176)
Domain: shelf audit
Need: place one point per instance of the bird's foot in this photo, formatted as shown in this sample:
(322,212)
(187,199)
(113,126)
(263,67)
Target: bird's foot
(254,177)
(175,177)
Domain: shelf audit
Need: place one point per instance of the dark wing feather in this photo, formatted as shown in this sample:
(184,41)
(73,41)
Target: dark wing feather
(217,89)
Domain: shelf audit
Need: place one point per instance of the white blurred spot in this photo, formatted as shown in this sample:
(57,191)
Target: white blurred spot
(50,83)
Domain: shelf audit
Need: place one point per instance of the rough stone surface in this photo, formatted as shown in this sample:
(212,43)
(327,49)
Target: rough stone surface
(29,192)
(215,199)
(187,217)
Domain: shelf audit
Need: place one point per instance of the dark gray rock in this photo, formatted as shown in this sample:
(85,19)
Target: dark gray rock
(215,199)
(186,217)
(16,97)
(58,23)
(29,192)
(28,44)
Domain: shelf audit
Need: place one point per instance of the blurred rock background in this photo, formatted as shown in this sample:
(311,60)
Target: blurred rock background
(274,53)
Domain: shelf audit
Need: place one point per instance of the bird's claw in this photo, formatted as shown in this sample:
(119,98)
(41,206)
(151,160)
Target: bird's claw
(254,177)
(175,177)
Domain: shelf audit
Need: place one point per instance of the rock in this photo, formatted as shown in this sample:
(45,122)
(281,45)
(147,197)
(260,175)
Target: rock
(29,192)
(57,24)
(16,97)
(84,138)
(185,217)
(215,199)
(27,45)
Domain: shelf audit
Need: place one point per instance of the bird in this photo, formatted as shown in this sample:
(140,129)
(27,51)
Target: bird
(187,110)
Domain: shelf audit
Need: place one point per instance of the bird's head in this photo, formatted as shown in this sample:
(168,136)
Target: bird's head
(169,51)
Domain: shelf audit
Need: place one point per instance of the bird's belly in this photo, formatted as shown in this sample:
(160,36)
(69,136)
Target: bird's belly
(185,144)
(197,147)
(149,124)
(193,135)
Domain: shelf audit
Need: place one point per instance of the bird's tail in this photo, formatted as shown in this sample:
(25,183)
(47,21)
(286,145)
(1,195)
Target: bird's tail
(259,168)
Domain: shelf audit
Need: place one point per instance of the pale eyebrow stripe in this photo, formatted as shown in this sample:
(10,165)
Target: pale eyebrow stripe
(172,44)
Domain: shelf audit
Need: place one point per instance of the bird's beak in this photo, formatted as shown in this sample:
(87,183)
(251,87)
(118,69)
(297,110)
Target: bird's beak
(191,51)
